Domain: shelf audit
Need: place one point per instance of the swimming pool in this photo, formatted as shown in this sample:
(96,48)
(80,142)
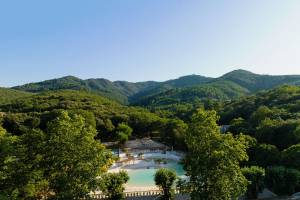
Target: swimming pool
(145,177)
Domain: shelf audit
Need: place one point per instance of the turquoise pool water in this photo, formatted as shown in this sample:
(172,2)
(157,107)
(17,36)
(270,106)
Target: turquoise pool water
(145,177)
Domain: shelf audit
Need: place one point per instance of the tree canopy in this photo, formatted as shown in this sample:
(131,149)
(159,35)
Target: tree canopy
(213,159)
(165,179)
(112,185)
(62,163)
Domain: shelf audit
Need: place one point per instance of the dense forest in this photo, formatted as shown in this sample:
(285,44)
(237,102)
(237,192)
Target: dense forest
(103,114)
(260,114)
(271,118)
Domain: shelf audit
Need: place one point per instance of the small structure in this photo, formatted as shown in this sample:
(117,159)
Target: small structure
(224,128)
(145,145)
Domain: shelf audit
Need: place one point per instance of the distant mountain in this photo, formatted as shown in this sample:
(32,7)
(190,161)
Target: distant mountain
(122,91)
(220,90)
(119,90)
(181,82)
(255,82)
(229,86)
(184,89)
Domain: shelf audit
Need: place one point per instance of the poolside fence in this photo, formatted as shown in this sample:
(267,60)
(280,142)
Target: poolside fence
(133,194)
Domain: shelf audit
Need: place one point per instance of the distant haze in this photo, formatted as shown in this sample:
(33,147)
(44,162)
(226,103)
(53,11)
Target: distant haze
(146,40)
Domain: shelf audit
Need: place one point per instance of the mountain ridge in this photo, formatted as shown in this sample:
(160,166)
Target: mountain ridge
(232,84)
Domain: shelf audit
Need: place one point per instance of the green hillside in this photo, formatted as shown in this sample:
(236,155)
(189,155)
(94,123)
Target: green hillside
(181,82)
(285,100)
(9,95)
(221,90)
(119,90)
(230,86)
(101,112)
(185,89)
(255,82)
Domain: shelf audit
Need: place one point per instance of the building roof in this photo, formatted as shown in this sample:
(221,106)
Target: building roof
(145,143)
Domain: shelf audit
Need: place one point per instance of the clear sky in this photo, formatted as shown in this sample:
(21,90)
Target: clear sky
(139,40)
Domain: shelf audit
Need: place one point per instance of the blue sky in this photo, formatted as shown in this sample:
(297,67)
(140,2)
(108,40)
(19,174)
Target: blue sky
(139,40)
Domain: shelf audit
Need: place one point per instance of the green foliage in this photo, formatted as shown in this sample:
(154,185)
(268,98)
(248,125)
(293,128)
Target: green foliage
(7,162)
(74,172)
(291,156)
(9,95)
(123,132)
(264,155)
(279,103)
(256,177)
(239,125)
(174,132)
(20,166)
(98,111)
(283,181)
(165,179)
(190,95)
(61,163)
(280,133)
(262,113)
(272,117)
(212,161)
(111,185)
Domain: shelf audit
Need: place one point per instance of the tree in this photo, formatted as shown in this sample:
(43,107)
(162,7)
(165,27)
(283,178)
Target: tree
(62,163)
(260,114)
(282,181)
(291,156)
(280,133)
(123,132)
(22,176)
(173,133)
(165,178)
(256,177)
(239,125)
(111,185)
(73,158)
(264,155)
(7,162)
(212,161)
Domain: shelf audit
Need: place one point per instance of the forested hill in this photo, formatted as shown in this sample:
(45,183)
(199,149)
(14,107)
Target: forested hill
(255,82)
(229,86)
(9,95)
(280,103)
(272,119)
(119,90)
(104,114)
(184,89)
